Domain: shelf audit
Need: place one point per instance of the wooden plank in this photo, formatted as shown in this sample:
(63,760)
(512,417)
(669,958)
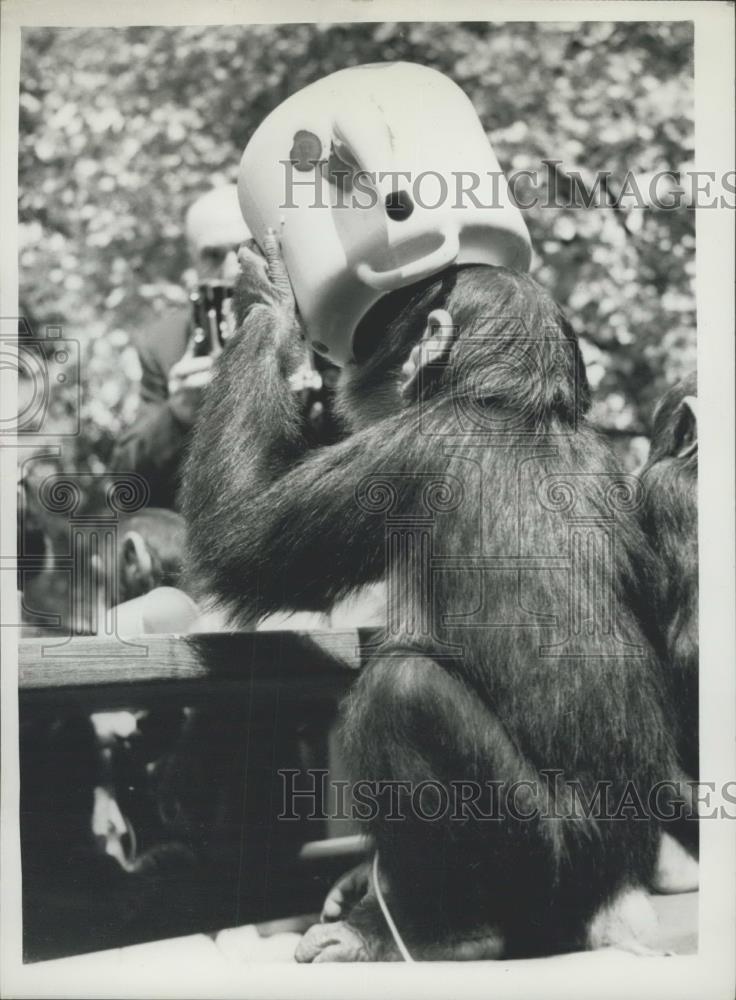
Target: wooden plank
(93,669)
(352,847)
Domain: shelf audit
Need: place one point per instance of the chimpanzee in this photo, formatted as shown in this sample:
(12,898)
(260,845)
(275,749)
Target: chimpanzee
(517,650)
(670,518)
(669,515)
(150,552)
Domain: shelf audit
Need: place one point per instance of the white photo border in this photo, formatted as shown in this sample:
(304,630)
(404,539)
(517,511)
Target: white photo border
(710,973)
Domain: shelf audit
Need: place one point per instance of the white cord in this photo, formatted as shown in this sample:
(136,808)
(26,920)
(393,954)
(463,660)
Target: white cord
(403,950)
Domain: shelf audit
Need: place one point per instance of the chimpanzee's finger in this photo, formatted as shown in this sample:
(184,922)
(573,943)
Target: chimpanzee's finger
(276,268)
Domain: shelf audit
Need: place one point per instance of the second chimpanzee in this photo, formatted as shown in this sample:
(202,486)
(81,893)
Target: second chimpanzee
(669,515)
(670,518)
(516,652)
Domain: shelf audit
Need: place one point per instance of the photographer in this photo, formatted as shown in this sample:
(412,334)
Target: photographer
(174,373)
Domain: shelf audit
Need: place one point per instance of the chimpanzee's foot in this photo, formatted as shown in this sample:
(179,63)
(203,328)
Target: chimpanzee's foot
(364,935)
(338,941)
(333,942)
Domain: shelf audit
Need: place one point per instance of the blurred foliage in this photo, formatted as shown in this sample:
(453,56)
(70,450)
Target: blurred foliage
(120,129)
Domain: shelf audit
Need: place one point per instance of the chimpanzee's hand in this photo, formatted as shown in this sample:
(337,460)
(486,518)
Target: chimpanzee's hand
(263,279)
(253,286)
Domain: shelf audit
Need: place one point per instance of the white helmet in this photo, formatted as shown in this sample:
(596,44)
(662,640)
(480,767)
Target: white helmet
(368,177)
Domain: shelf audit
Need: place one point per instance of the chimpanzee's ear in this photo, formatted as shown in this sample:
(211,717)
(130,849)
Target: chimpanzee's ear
(436,343)
(440,329)
(137,563)
(686,432)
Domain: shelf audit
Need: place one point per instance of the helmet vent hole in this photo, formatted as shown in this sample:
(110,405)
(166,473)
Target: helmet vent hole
(399,206)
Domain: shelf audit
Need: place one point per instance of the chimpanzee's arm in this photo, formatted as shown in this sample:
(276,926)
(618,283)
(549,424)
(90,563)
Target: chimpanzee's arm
(273,523)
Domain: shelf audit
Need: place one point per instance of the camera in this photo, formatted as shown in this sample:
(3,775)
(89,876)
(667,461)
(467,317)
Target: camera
(212,317)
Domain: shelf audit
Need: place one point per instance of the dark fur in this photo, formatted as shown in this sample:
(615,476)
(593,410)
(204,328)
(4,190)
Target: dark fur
(670,519)
(274,524)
